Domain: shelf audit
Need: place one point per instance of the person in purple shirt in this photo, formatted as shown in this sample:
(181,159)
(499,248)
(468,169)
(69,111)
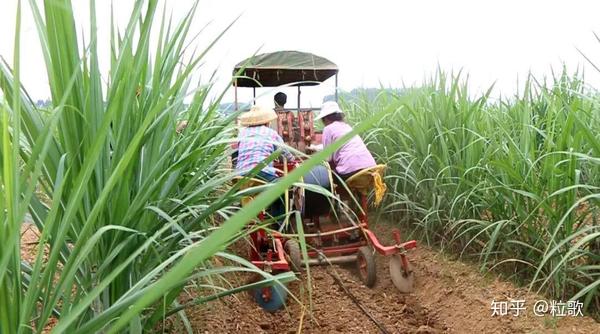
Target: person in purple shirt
(354,155)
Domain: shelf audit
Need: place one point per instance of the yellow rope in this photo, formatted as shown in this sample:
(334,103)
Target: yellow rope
(380,187)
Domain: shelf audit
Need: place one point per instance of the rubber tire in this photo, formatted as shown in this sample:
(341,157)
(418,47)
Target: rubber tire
(366,253)
(294,255)
(278,298)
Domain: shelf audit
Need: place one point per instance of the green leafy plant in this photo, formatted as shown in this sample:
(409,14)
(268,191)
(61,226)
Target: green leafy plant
(123,190)
(510,183)
(126,206)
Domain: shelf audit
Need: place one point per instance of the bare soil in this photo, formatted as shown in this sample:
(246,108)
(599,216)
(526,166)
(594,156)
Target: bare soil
(30,237)
(449,297)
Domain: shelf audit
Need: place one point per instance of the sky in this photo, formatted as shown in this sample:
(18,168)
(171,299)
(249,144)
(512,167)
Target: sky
(376,42)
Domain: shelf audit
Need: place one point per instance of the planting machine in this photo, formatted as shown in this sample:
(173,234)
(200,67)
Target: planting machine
(335,231)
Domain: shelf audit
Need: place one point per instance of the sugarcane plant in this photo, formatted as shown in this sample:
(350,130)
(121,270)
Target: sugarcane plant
(113,189)
(509,182)
(129,206)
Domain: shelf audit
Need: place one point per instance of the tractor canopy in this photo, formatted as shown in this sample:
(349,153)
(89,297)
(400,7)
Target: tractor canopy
(282,68)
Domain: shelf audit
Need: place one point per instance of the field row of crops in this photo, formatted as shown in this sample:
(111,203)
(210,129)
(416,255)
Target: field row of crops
(123,203)
(127,207)
(510,183)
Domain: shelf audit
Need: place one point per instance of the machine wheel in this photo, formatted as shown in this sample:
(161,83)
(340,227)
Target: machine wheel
(365,261)
(404,282)
(293,255)
(270,298)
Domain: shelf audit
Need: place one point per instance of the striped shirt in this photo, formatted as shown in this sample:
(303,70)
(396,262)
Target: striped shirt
(256,143)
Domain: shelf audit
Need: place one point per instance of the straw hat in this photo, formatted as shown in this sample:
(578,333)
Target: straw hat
(257,116)
(328,108)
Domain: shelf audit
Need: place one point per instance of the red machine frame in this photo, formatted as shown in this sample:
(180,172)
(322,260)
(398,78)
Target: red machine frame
(297,131)
(275,259)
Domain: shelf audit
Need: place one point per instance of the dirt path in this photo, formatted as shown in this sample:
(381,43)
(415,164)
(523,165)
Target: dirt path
(450,297)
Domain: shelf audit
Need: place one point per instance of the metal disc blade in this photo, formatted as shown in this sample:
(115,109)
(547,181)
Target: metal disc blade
(403,282)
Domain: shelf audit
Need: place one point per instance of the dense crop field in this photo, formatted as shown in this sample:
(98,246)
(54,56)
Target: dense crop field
(126,205)
(123,203)
(130,211)
(511,183)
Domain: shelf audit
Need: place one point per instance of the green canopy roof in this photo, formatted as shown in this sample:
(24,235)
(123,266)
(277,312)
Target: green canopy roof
(284,67)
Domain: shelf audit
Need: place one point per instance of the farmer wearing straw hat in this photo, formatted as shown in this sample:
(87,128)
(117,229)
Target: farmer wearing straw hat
(257,141)
(353,156)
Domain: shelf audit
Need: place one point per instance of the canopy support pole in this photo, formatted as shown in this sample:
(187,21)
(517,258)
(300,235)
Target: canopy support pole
(253,96)
(298,98)
(235,94)
(336,88)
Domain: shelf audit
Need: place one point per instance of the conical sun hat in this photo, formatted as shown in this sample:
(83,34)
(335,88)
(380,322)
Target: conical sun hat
(256,116)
